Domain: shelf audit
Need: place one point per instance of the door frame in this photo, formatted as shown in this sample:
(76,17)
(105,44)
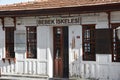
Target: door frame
(63,55)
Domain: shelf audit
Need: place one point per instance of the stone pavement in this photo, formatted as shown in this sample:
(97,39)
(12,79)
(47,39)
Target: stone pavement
(29,78)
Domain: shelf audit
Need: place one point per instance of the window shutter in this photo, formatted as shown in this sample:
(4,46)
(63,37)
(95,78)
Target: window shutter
(103,41)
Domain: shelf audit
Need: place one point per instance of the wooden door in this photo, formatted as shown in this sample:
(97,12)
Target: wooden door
(60,53)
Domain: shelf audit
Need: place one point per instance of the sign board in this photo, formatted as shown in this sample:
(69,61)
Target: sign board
(59,21)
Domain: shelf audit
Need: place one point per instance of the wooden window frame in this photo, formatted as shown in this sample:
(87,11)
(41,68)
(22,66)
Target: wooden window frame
(31,42)
(9,41)
(88,56)
(115,46)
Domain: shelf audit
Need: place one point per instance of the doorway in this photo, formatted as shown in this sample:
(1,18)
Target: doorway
(61,59)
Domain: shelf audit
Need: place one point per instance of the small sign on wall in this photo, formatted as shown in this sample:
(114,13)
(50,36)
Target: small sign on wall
(78,37)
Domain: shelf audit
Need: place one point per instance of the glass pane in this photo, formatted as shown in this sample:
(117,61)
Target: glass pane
(32,50)
(31,42)
(118,33)
(88,42)
(87,34)
(58,31)
(58,53)
(9,31)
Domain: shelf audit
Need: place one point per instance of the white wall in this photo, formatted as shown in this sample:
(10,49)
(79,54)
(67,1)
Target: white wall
(2,43)
(75,53)
(42,48)
(23,65)
(50,51)
(103,68)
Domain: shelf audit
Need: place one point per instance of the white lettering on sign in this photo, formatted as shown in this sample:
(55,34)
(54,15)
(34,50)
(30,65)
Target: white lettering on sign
(59,21)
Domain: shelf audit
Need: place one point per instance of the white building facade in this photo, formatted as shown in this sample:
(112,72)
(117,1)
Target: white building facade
(76,45)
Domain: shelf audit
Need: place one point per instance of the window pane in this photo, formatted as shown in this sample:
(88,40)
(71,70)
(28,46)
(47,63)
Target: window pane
(31,35)
(88,42)
(9,33)
(116,43)
(31,42)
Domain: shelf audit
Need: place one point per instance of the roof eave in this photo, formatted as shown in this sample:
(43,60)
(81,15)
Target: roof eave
(62,10)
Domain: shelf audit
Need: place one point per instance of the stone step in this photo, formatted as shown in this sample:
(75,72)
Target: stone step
(36,78)
(59,79)
(20,78)
(67,79)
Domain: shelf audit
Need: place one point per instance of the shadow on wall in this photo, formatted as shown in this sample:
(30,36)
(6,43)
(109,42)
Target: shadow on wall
(7,66)
(75,56)
(74,67)
(78,68)
(7,62)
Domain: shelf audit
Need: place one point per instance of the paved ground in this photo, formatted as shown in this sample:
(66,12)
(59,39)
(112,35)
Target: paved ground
(27,78)
(20,78)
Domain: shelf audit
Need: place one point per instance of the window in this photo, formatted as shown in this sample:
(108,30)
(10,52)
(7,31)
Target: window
(116,42)
(89,42)
(31,42)
(103,41)
(9,40)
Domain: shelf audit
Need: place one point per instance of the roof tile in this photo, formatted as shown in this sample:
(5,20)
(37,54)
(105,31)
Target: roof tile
(45,4)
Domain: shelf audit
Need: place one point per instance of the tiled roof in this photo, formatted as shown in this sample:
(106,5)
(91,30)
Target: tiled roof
(47,4)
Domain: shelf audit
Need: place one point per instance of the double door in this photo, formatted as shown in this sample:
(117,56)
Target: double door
(61,67)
